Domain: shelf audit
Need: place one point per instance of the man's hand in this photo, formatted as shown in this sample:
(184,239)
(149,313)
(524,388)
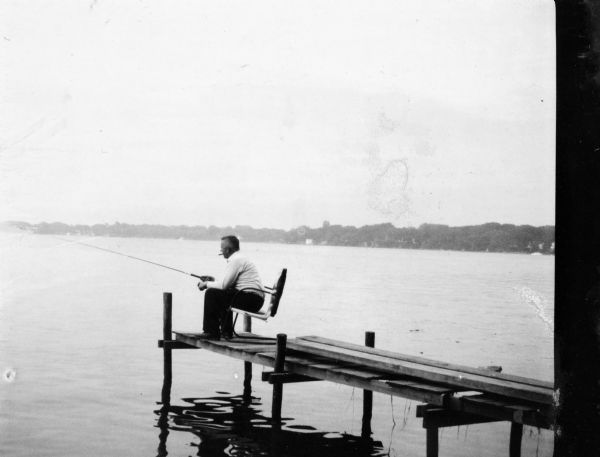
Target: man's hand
(202,285)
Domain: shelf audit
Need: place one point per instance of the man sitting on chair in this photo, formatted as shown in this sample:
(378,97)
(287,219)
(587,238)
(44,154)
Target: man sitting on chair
(241,283)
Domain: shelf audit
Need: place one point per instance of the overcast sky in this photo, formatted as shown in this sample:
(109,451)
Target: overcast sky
(277,114)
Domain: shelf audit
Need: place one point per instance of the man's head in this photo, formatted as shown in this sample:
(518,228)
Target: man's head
(229,245)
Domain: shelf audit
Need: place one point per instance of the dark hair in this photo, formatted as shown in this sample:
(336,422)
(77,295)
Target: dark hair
(233,240)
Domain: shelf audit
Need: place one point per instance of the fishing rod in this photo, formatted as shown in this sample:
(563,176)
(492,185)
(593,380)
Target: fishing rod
(202,278)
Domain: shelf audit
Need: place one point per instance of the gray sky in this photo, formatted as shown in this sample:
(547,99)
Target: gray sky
(278,114)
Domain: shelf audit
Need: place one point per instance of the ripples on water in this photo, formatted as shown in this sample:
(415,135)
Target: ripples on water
(228,425)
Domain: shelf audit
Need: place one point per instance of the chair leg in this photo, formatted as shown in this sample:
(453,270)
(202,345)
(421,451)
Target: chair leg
(233,326)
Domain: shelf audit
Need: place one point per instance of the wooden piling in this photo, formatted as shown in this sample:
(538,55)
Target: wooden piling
(167,315)
(432,442)
(167,355)
(516,434)
(368,395)
(278,386)
(276,435)
(247,365)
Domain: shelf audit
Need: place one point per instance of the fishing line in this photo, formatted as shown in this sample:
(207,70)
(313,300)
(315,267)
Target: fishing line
(203,278)
(393,425)
(405,417)
(352,402)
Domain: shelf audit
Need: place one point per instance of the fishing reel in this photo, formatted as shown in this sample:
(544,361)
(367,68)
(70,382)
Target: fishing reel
(204,279)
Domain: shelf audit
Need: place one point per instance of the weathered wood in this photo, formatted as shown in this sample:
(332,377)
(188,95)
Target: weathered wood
(248,347)
(490,372)
(242,338)
(434,417)
(340,376)
(167,315)
(435,374)
(246,339)
(235,352)
(422,408)
(432,442)
(245,336)
(167,354)
(247,379)
(172,344)
(278,386)
(280,352)
(507,410)
(367,395)
(516,435)
(285,378)
(344,368)
(495,369)
(247,365)
(422,385)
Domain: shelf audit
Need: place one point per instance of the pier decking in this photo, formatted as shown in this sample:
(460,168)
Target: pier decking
(451,394)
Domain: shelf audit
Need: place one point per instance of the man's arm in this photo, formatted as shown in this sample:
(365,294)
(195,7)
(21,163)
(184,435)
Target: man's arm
(232,271)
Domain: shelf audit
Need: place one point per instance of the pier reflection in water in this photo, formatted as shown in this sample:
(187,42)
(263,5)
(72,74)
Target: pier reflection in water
(228,425)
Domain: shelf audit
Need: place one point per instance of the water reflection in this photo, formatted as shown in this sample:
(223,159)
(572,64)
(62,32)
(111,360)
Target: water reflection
(229,425)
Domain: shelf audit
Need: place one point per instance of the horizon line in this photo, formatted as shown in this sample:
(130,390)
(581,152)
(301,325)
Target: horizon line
(272,228)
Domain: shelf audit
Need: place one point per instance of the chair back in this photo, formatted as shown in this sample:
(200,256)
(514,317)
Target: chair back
(277,292)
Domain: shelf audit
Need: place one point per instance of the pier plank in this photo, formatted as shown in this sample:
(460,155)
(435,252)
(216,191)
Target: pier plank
(412,392)
(430,362)
(423,386)
(252,348)
(434,417)
(215,346)
(350,369)
(285,378)
(335,373)
(347,368)
(170,344)
(434,374)
(486,405)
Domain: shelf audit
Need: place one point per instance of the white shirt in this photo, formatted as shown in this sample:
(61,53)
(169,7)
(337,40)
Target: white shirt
(240,273)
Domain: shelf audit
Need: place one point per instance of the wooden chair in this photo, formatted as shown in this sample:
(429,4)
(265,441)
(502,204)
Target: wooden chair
(269,309)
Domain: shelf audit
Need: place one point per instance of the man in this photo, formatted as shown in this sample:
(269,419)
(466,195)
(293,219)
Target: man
(241,286)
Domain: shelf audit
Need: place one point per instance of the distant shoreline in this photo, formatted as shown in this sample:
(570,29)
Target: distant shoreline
(489,237)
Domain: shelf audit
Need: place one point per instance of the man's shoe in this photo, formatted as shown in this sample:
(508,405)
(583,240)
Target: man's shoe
(227,333)
(208,336)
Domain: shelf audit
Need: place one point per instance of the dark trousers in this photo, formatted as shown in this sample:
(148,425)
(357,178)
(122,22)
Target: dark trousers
(216,308)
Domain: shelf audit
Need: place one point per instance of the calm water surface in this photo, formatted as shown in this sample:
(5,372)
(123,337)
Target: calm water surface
(81,372)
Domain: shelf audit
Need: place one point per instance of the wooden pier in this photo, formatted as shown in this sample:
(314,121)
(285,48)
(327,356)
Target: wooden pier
(451,394)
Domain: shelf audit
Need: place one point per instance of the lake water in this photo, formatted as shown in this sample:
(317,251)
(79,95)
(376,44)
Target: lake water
(82,375)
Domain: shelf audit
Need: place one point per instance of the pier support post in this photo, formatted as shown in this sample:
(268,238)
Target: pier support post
(247,365)
(278,386)
(167,356)
(432,442)
(516,434)
(165,397)
(368,395)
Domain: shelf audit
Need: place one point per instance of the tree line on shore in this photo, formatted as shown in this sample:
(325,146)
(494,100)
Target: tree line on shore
(491,237)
